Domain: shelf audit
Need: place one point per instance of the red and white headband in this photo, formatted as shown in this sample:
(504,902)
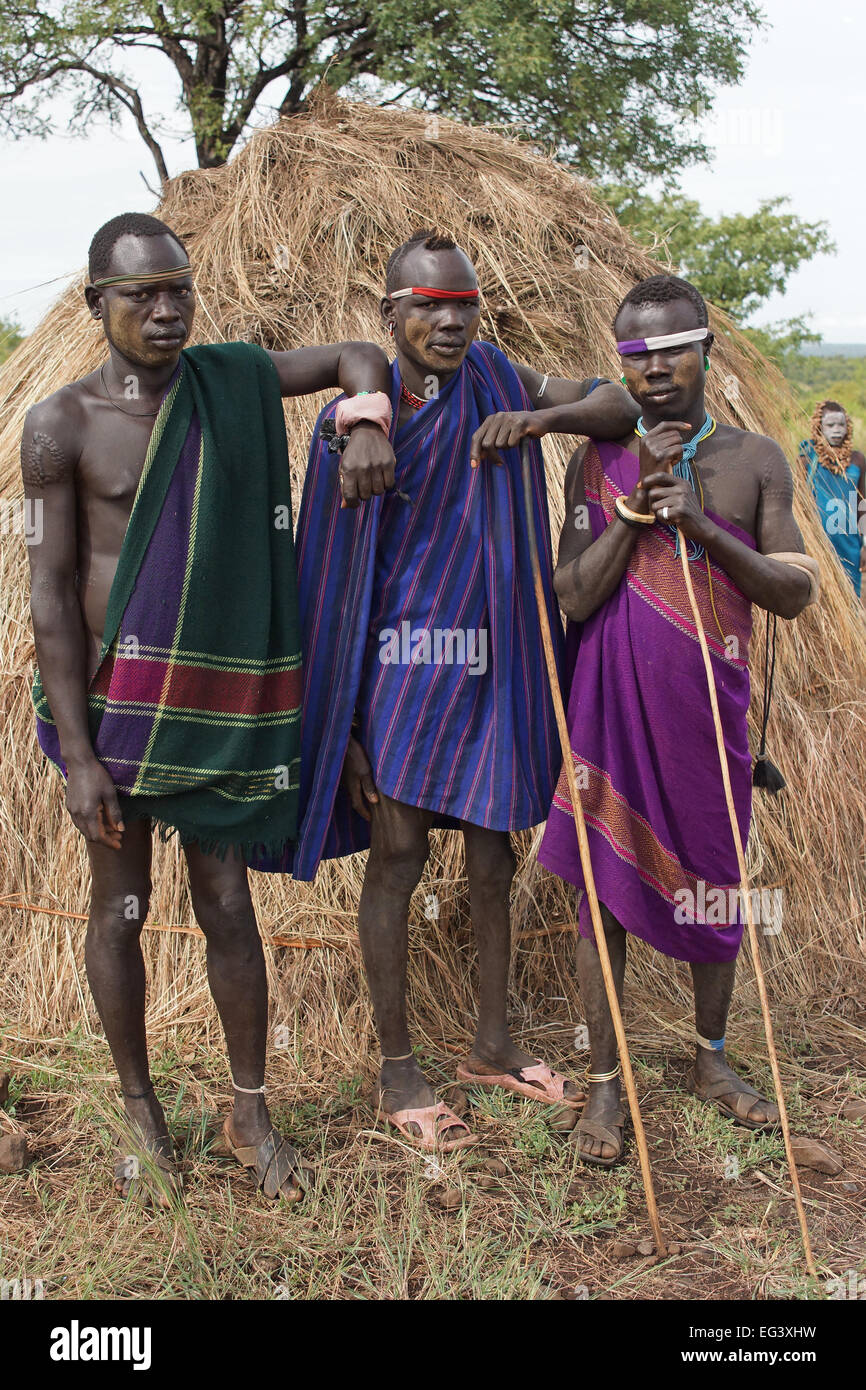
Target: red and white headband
(430,293)
(665,340)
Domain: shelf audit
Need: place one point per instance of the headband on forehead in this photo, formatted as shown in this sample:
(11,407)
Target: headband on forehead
(152,277)
(634,345)
(431,293)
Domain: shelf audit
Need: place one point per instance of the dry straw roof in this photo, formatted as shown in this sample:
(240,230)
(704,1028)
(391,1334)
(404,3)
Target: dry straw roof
(289,242)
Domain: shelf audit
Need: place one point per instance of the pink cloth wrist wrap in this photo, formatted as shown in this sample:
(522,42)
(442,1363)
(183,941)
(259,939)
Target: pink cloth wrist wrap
(374,407)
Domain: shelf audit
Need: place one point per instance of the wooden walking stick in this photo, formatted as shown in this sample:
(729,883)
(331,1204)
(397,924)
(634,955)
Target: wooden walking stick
(586,864)
(747,901)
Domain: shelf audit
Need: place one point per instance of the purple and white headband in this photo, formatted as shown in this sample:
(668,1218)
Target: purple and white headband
(666,340)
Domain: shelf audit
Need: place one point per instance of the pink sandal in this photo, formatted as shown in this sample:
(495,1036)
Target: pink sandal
(434,1121)
(537,1082)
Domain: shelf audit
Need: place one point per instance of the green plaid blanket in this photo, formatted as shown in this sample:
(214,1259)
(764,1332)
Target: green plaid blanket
(195,707)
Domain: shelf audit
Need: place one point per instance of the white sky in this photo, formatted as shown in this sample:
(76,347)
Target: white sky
(794,127)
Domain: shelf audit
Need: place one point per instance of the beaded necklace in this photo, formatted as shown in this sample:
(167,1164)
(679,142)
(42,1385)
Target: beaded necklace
(410,398)
(683,469)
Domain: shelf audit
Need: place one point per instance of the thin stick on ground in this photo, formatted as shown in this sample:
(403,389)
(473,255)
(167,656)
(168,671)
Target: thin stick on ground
(586,864)
(747,904)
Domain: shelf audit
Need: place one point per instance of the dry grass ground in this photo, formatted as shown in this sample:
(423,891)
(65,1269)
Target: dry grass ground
(384,1222)
(289,243)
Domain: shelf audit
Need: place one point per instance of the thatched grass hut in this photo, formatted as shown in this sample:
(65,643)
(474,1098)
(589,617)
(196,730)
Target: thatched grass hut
(289,242)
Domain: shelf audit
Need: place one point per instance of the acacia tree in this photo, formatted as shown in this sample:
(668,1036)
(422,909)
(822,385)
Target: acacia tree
(608,84)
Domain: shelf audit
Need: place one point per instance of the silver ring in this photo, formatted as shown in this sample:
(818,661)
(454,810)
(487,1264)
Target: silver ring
(664,513)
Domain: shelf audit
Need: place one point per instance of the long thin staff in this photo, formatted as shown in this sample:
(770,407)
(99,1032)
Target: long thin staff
(583,843)
(747,902)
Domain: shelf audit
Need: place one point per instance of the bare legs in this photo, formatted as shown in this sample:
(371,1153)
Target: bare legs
(603,1101)
(398,853)
(713,986)
(115,971)
(235,966)
(490,868)
(237,978)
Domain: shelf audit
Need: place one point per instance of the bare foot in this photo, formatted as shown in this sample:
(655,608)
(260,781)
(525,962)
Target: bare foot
(250,1119)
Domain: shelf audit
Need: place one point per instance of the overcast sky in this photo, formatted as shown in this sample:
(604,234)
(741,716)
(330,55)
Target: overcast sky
(794,127)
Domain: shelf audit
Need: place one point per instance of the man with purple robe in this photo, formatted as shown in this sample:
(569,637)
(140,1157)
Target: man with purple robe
(642,734)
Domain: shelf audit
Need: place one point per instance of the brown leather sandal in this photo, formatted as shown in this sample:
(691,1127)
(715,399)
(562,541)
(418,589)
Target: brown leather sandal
(276,1163)
(744,1096)
(605,1135)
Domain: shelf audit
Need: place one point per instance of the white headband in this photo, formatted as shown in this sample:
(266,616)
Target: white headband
(635,345)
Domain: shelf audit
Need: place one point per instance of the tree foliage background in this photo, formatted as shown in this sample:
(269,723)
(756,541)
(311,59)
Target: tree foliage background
(614,88)
(608,84)
(10,337)
(737,260)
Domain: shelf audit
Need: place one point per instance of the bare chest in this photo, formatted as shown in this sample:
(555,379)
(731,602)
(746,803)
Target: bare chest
(727,481)
(728,487)
(111,463)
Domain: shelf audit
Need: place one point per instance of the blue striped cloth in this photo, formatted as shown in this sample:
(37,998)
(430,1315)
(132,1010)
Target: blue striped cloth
(480,747)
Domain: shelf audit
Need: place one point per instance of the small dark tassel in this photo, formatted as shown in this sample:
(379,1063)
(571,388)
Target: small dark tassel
(768,776)
(765,774)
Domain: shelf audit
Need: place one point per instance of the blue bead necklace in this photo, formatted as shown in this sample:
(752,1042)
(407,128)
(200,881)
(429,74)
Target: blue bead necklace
(683,469)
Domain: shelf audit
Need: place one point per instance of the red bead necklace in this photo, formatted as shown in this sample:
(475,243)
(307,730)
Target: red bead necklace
(416,402)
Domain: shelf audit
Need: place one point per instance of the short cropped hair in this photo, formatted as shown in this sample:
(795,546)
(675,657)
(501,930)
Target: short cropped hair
(125,224)
(428,238)
(664,289)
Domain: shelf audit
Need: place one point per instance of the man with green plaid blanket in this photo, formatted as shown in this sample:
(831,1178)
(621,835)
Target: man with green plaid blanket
(169,684)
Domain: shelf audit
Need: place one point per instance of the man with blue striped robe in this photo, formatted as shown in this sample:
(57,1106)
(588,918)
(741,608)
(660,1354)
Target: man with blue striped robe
(426,701)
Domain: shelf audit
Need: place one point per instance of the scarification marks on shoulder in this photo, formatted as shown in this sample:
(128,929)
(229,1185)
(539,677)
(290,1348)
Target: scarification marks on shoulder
(44,460)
